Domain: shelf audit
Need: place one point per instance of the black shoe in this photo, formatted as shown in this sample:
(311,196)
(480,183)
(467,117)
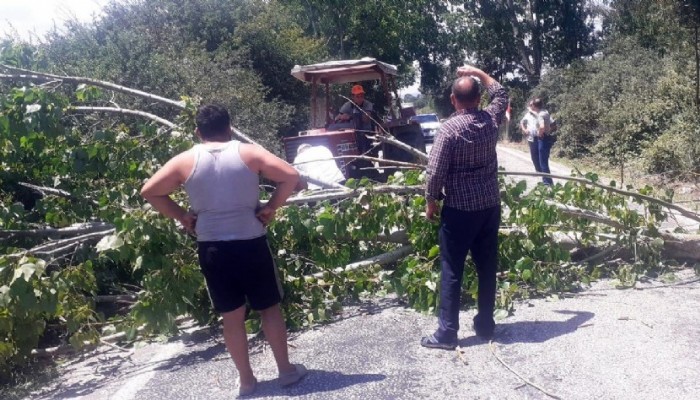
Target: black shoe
(484,327)
(432,343)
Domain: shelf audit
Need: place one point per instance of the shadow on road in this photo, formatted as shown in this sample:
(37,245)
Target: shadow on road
(317,381)
(533,331)
(213,352)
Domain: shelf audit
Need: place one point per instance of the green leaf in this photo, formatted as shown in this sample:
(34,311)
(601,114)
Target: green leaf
(32,108)
(500,314)
(137,264)
(434,251)
(111,242)
(27,270)
(4,295)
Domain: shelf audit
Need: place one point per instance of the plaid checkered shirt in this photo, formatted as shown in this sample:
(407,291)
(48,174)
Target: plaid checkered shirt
(463,158)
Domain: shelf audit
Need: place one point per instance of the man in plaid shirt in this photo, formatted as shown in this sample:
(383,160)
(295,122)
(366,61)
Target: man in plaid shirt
(462,170)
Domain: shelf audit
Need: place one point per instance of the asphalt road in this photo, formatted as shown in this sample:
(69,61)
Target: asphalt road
(600,343)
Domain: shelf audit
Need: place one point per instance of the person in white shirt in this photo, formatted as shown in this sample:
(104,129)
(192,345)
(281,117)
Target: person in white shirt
(544,137)
(316,161)
(528,126)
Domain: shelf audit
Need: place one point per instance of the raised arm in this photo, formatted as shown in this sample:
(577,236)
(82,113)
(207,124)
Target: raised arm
(469,70)
(499,96)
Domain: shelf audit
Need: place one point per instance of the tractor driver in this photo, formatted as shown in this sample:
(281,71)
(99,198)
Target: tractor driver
(359,112)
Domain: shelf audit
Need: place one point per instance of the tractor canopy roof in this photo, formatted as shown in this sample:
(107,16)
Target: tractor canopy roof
(344,71)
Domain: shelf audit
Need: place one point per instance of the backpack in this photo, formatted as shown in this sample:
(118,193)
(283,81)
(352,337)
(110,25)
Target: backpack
(553,127)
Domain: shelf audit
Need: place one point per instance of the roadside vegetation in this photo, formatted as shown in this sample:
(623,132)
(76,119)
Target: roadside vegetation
(84,260)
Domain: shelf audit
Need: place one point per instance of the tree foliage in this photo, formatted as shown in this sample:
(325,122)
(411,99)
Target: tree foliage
(635,102)
(73,228)
(667,27)
(87,173)
(238,53)
(523,36)
(392,31)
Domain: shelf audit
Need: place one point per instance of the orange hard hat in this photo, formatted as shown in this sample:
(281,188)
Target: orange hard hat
(357,89)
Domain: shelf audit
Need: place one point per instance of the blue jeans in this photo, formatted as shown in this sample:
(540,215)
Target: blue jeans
(535,154)
(544,146)
(462,232)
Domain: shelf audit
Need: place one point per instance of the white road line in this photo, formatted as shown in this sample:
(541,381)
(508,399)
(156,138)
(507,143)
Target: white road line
(132,386)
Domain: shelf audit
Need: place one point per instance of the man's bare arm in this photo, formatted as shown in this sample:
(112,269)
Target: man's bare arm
(166,180)
(275,169)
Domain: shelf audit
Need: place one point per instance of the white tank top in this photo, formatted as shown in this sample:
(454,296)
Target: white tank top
(224,194)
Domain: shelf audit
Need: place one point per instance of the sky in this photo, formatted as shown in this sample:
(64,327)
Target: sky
(30,17)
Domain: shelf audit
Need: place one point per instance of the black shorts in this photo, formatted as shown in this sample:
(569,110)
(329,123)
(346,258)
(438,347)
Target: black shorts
(237,270)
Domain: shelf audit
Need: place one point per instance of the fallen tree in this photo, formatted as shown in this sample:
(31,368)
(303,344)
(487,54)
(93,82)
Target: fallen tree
(74,232)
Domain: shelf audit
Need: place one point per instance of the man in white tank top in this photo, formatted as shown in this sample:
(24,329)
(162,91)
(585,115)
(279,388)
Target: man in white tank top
(220,177)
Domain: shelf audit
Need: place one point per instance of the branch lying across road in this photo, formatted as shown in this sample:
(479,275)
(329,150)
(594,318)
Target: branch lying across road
(318,182)
(381,259)
(125,111)
(75,229)
(116,298)
(681,246)
(321,195)
(368,158)
(114,338)
(56,248)
(35,76)
(403,146)
(25,74)
(43,190)
(576,212)
(683,211)
(47,190)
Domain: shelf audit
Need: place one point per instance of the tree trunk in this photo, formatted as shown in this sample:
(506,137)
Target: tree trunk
(697,65)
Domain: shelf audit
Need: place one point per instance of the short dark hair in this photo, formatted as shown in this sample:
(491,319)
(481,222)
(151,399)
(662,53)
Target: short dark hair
(466,90)
(212,120)
(537,103)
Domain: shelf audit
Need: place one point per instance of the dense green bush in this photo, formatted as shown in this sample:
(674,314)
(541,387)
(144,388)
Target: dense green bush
(237,53)
(676,153)
(612,108)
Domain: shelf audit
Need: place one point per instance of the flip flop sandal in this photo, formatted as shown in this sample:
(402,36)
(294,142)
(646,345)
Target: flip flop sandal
(432,343)
(293,377)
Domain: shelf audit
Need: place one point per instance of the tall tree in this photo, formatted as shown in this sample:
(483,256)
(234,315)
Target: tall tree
(689,11)
(652,23)
(523,36)
(237,52)
(664,26)
(394,31)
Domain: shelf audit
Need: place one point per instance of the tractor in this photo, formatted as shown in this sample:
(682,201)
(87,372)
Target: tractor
(346,138)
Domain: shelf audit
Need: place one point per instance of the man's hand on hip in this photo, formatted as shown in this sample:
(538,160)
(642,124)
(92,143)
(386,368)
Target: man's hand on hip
(265,214)
(189,221)
(431,210)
